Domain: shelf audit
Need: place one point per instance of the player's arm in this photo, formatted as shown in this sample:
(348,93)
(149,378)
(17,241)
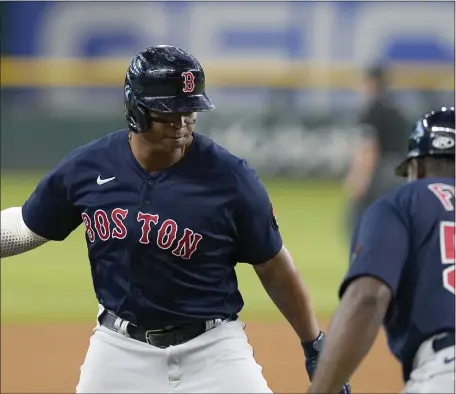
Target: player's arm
(16,237)
(354,328)
(379,257)
(48,214)
(284,285)
(260,244)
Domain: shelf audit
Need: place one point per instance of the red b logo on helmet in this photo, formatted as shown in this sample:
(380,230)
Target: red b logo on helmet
(189,82)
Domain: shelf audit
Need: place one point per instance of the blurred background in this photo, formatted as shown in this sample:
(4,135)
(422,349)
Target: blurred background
(286,77)
(317,96)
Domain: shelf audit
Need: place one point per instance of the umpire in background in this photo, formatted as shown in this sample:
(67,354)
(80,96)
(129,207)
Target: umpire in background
(384,130)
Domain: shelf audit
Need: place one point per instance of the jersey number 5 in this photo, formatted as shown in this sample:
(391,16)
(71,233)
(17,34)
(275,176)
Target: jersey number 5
(447,245)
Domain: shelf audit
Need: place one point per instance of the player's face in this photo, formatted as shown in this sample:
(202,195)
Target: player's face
(171,130)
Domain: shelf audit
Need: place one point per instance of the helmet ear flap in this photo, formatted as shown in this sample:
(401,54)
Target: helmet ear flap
(137,117)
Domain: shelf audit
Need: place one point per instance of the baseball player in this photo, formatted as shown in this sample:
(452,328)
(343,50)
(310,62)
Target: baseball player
(168,214)
(402,272)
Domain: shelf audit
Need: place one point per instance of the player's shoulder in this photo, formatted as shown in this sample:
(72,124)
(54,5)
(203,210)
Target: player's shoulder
(419,188)
(407,200)
(388,203)
(104,143)
(91,151)
(221,159)
(394,202)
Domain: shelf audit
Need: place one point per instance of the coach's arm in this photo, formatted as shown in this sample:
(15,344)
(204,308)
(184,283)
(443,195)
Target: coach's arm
(354,328)
(284,285)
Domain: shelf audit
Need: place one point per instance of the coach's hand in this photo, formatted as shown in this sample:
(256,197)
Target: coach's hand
(311,352)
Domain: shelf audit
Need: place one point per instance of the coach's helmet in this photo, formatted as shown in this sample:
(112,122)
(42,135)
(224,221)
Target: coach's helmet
(163,78)
(433,135)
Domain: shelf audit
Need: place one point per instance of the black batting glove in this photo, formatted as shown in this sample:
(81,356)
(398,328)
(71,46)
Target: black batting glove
(312,350)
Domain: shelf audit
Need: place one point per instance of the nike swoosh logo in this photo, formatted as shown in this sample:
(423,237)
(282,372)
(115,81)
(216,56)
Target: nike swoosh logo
(103,181)
(448,360)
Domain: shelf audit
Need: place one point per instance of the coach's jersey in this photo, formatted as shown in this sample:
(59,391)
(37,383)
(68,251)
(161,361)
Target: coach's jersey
(407,240)
(162,246)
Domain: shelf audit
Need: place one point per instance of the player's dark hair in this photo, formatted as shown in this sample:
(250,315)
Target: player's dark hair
(439,166)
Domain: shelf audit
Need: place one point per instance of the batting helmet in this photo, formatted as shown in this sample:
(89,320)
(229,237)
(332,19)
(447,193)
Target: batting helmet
(433,135)
(163,78)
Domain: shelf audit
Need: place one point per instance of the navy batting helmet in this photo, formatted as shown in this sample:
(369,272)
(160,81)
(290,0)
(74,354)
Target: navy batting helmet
(433,135)
(163,78)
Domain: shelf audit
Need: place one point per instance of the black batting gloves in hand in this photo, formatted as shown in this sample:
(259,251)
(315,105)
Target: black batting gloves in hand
(311,352)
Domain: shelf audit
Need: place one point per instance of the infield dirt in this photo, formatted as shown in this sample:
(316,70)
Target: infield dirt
(46,358)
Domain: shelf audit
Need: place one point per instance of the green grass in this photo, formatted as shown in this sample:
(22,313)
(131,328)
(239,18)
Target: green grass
(53,282)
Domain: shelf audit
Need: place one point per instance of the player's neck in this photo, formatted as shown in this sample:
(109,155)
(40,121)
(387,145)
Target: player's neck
(153,157)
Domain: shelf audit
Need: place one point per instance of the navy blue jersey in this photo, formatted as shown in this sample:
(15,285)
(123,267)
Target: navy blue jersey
(162,246)
(407,240)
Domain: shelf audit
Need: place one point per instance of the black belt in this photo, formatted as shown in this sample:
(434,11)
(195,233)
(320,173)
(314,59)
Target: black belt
(442,342)
(158,338)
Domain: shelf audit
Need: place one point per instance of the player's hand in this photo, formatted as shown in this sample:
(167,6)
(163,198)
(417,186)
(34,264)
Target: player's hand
(311,352)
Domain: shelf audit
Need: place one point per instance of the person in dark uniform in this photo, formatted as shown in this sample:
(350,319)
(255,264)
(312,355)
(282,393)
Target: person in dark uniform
(402,272)
(382,141)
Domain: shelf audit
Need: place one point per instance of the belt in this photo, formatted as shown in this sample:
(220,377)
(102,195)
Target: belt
(159,338)
(443,341)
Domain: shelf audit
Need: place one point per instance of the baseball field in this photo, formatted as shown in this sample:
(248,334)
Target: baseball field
(48,305)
